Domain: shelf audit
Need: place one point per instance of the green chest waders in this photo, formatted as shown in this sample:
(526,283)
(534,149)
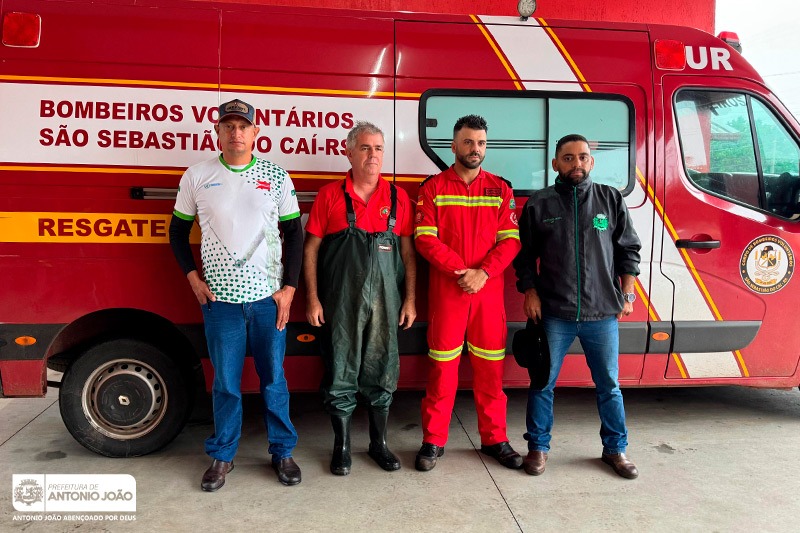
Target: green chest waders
(360,282)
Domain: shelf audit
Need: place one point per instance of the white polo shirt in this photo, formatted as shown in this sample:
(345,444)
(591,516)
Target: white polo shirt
(238,210)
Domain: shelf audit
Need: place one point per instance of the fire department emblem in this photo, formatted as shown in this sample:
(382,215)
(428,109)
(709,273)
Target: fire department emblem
(28,492)
(767,264)
(385,212)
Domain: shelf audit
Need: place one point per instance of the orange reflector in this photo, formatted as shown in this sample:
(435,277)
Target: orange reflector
(25,341)
(660,336)
(22,30)
(670,54)
(305,337)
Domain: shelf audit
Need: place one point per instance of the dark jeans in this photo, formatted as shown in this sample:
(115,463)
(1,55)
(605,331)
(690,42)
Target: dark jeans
(600,341)
(230,330)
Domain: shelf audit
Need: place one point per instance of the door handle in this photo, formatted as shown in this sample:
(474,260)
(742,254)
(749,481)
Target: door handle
(703,245)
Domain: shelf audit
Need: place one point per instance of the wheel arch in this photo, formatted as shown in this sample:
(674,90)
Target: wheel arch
(98,326)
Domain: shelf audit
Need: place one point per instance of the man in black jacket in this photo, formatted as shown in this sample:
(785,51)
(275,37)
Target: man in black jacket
(588,259)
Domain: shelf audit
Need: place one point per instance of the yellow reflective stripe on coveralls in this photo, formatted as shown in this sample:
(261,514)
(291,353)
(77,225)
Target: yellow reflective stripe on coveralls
(426,230)
(467,201)
(507,234)
(444,355)
(491,355)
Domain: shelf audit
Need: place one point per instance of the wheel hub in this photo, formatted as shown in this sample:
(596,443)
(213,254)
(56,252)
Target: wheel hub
(124,399)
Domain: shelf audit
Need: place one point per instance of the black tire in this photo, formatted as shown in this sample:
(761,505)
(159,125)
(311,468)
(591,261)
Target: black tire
(124,398)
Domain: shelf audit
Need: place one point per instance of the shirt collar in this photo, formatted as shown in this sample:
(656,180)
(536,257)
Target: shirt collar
(453,176)
(237,170)
(348,186)
(582,187)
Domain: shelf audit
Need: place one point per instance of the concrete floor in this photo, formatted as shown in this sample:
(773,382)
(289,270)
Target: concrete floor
(713,459)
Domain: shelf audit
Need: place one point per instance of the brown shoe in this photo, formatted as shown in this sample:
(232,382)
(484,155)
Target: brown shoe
(621,465)
(287,470)
(534,462)
(214,477)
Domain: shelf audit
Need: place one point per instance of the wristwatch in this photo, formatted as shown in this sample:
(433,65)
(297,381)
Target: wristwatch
(629,297)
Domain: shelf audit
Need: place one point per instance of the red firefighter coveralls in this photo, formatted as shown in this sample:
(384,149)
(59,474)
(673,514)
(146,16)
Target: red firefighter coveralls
(459,227)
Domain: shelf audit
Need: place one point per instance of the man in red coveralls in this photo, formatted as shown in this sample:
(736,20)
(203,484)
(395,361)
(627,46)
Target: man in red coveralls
(467,229)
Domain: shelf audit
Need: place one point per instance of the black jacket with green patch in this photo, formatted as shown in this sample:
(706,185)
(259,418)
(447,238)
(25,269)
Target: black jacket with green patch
(583,240)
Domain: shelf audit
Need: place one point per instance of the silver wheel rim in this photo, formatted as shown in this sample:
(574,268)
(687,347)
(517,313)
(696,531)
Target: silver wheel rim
(140,376)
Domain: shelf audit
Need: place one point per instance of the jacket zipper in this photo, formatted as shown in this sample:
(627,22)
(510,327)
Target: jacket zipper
(577,251)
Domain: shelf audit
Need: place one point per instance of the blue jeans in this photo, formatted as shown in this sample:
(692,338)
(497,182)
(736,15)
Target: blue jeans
(600,341)
(230,330)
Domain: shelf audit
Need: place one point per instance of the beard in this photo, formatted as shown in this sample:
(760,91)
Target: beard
(574,177)
(471,164)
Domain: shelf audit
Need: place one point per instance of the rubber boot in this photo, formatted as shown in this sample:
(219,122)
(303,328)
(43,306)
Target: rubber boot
(341,462)
(378,450)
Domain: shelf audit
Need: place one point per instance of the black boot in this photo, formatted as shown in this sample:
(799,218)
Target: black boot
(340,462)
(378,450)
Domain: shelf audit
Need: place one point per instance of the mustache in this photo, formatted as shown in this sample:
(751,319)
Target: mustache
(577,174)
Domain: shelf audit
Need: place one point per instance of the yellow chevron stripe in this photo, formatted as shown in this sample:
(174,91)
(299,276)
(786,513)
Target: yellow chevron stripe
(568,57)
(497,52)
(678,363)
(692,270)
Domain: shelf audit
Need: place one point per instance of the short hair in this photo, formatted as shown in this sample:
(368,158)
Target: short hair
(473,122)
(362,126)
(572,137)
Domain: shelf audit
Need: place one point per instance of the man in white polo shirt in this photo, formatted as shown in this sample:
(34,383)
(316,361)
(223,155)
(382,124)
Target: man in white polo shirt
(245,291)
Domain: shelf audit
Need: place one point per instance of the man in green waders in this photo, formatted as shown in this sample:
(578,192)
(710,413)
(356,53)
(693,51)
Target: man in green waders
(359,233)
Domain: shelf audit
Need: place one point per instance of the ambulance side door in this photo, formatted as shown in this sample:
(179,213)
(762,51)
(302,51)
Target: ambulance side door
(731,228)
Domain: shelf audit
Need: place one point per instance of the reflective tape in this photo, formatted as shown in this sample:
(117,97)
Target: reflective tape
(467,201)
(491,355)
(444,355)
(426,230)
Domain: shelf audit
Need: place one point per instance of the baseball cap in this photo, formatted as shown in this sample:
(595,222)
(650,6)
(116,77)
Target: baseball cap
(237,108)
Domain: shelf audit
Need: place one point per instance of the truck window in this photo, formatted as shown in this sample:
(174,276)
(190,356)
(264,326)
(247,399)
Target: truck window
(524,128)
(780,163)
(735,147)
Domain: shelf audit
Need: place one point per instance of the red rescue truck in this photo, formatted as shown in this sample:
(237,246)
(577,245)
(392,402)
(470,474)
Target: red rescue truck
(105,104)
